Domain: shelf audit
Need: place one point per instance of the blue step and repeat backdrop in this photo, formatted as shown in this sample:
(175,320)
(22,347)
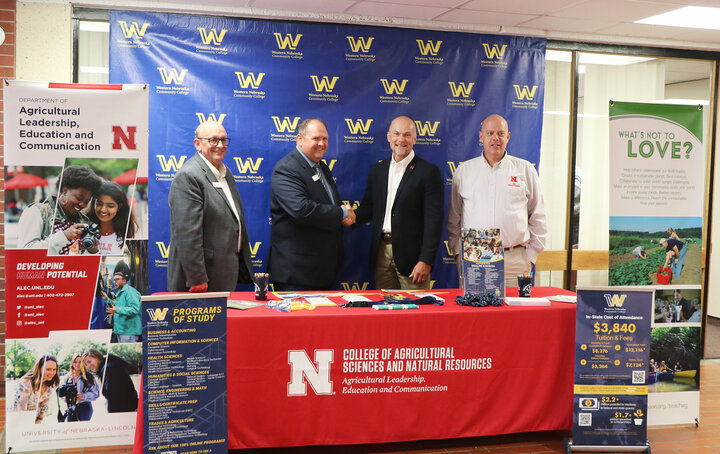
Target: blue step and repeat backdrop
(261,78)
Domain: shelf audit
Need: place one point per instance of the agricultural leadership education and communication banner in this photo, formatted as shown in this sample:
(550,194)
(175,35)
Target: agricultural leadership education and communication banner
(68,382)
(657,175)
(260,78)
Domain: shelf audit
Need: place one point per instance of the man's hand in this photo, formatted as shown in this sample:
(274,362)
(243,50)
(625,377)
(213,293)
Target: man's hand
(350,220)
(110,310)
(420,273)
(200,288)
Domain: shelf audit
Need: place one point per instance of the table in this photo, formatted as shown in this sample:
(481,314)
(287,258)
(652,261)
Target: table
(322,377)
(517,375)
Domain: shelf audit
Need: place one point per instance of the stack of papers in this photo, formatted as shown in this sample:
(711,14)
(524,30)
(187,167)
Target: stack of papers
(563,298)
(522,301)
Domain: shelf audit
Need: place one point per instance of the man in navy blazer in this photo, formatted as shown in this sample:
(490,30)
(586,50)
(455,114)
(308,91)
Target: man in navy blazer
(306,216)
(209,245)
(404,199)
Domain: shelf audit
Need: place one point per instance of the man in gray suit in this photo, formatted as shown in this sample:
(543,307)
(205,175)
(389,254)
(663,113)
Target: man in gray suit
(209,246)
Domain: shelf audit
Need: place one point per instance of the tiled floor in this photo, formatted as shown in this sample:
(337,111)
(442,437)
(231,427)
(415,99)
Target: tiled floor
(683,439)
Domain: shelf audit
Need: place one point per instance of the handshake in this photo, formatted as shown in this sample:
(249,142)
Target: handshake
(350,220)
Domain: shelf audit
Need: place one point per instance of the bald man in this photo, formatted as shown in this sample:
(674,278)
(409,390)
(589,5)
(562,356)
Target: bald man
(404,199)
(496,190)
(209,245)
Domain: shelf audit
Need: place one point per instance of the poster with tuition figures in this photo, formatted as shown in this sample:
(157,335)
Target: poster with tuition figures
(612,340)
(482,262)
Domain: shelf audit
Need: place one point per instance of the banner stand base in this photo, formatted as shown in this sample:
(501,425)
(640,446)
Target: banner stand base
(569,448)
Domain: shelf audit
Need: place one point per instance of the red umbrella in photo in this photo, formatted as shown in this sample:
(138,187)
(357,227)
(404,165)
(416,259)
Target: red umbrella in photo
(25,181)
(129,178)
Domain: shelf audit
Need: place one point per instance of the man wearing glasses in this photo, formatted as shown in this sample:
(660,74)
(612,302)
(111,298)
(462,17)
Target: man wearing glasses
(209,245)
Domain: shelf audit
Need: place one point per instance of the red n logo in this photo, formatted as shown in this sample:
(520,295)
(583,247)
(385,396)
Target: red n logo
(128,139)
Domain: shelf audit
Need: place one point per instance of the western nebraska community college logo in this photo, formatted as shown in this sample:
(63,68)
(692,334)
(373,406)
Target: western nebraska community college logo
(284,128)
(358,131)
(172,81)
(287,45)
(157,314)
(249,85)
(202,118)
(452,165)
(426,132)
(164,250)
(323,87)
(256,261)
(525,97)
(360,49)
(211,41)
(169,165)
(394,91)
(133,35)
(247,170)
(494,55)
(428,52)
(460,94)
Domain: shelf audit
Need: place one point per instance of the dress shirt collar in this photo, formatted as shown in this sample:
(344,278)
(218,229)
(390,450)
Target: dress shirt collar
(310,163)
(499,163)
(403,162)
(219,174)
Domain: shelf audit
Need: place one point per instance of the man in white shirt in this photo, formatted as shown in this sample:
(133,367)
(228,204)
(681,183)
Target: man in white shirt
(496,190)
(209,246)
(404,199)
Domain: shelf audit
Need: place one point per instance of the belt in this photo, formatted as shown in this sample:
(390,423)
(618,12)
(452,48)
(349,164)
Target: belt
(387,238)
(514,247)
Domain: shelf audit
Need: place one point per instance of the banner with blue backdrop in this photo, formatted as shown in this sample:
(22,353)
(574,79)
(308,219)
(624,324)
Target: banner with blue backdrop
(261,78)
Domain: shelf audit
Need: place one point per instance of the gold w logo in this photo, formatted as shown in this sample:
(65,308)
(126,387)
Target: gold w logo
(429,47)
(525,92)
(355,286)
(453,166)
(213,37)
(157,313)
(495,51)
(354,205)
(133,30)
(426,128)
(394,86)
(324,84)
(287,41)
(360,44)
(331,164)
(254,248)
(164,250)
(461,89)
(285,125)
(251,80)
(172,164)
(210,117)
(449,249)
(615,300)
(248,165)
(172,76)
(358,126)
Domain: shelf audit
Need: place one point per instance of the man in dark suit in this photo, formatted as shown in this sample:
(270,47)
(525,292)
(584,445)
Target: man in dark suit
(209,246)
(404,199)
(307,219)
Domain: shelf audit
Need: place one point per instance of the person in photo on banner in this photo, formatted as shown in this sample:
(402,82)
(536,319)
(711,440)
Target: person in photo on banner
(111,212)
(65,230)
(404,199)
(79,403)
(117,385)
(497,190)
(307,219)
(36,388)
(209,244)
(675,251)
(127,320)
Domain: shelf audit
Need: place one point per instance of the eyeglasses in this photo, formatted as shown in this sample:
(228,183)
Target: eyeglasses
(214,141)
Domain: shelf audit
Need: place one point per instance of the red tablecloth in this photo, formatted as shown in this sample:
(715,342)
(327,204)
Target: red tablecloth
(464,372)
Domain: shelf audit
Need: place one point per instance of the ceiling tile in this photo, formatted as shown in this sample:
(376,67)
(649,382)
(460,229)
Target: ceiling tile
(529,7)
(616,10)
(641,30)
(565,24)
(393,10)
(435,3)
(319,6)
(484,18)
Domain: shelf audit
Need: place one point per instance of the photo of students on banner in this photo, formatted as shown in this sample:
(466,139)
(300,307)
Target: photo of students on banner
(655,250)
(678,305)
(674,360)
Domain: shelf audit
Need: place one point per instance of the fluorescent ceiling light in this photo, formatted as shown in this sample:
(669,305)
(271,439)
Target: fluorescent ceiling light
(588,58)
(687,17)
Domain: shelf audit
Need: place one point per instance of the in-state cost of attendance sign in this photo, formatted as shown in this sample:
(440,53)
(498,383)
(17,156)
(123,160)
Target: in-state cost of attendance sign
(184,374)
(612,340)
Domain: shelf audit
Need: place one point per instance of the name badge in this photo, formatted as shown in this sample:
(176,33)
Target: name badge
(217,184)
(316,177)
